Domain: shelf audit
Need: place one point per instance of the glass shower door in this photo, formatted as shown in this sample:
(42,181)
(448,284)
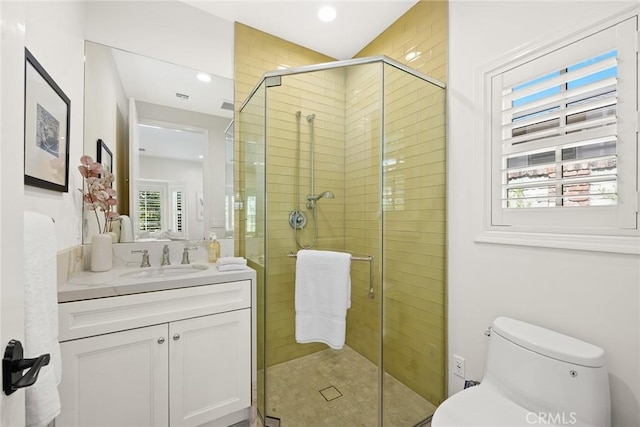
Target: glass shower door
(249,213)
(414,248)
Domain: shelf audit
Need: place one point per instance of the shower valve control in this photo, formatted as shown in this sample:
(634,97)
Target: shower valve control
(297,219)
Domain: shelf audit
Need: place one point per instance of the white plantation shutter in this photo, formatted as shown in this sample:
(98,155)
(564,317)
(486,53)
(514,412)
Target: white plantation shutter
(177,211)
(178,224)
(150,209)
(564,140)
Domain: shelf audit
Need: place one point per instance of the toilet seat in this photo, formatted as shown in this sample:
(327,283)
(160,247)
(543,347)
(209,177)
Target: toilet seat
(483,405)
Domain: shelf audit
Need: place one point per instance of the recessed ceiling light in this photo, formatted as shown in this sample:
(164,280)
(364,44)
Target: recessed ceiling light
(327,14)
(204,77)
(201,156)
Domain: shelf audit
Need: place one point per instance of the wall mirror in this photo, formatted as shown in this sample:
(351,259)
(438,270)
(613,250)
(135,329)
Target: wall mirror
(167,129)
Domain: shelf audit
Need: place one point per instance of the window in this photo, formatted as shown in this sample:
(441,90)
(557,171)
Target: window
(150,209)
(564,137)
(578,102)
(161,208)
(177,211)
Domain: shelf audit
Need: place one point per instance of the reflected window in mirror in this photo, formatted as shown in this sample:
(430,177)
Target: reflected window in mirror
(149,203)
(177,207)
(251,215)
(161,210)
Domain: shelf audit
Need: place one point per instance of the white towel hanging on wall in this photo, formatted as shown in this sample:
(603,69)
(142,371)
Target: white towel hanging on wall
(41,317)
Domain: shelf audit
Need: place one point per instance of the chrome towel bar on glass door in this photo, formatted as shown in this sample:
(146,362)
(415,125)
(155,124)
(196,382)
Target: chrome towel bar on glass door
(355,258)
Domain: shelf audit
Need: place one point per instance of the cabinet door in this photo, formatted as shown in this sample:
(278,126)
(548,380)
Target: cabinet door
(210,367)
(118,379)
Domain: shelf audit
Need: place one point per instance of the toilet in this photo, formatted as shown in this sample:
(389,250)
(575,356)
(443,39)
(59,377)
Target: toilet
(533,376)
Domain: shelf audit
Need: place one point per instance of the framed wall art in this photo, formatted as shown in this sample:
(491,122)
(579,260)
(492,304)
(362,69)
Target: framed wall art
(104,156)
(46,129)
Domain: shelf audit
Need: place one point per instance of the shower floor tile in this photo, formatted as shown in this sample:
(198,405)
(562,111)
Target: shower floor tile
(338,388)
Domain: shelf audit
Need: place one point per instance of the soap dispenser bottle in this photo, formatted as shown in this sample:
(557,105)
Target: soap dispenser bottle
(214,248)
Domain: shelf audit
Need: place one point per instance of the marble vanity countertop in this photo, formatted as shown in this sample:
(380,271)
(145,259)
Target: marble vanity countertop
(122,281)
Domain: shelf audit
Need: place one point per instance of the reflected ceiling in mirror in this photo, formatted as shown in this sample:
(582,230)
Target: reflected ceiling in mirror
(158,82)
(160,140)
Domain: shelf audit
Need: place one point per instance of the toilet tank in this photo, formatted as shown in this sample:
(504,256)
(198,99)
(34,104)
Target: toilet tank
(556,377)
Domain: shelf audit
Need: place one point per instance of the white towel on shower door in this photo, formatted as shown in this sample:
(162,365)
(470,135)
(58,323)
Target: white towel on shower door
(322,296)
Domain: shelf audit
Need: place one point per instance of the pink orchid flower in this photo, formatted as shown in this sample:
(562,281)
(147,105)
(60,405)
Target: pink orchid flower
(97,191)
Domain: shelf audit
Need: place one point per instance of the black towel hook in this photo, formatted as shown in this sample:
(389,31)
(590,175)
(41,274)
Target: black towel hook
(13,364)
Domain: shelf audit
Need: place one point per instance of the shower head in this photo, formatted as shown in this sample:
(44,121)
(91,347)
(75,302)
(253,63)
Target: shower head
(327,194)
(311,200)
(311,117)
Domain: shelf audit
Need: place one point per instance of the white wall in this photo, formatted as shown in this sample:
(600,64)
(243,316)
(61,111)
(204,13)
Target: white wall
(54,34)
(592,296)
(179,171)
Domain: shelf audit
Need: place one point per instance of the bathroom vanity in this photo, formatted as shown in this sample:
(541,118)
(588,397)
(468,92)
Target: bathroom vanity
(156,347)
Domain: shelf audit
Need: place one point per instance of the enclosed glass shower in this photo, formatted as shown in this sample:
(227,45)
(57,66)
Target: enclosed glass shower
(347,156)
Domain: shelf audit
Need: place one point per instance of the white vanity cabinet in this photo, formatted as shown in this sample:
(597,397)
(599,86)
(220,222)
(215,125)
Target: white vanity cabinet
(210,367)
(116,379)
(179,357)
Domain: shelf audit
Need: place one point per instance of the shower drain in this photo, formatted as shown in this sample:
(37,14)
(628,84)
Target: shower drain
(330,393)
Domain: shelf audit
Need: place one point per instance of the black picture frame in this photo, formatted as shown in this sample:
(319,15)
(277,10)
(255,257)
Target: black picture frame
(104,156)
(46,129)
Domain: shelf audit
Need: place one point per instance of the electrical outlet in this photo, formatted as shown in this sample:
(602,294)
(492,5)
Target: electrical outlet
(458,365)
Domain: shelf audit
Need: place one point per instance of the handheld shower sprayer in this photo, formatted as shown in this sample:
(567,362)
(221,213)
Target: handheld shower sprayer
(312,200)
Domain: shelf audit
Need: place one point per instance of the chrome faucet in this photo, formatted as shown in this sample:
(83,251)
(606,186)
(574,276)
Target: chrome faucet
(165,255)
(145,257)
(185,254)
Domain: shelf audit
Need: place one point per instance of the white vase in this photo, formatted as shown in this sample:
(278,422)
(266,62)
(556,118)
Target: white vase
(101,254)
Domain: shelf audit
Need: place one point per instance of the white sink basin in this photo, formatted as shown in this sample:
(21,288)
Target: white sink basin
(165,271)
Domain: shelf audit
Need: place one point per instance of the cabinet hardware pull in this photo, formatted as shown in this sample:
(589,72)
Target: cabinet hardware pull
(161,340)
(176,337)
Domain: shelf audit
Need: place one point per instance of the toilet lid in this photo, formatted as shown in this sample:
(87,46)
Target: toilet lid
(483,405)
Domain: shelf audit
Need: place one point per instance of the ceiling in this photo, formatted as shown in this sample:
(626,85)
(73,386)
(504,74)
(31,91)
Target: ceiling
(357,22)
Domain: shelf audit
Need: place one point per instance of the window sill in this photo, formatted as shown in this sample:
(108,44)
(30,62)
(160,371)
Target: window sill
(580,242)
